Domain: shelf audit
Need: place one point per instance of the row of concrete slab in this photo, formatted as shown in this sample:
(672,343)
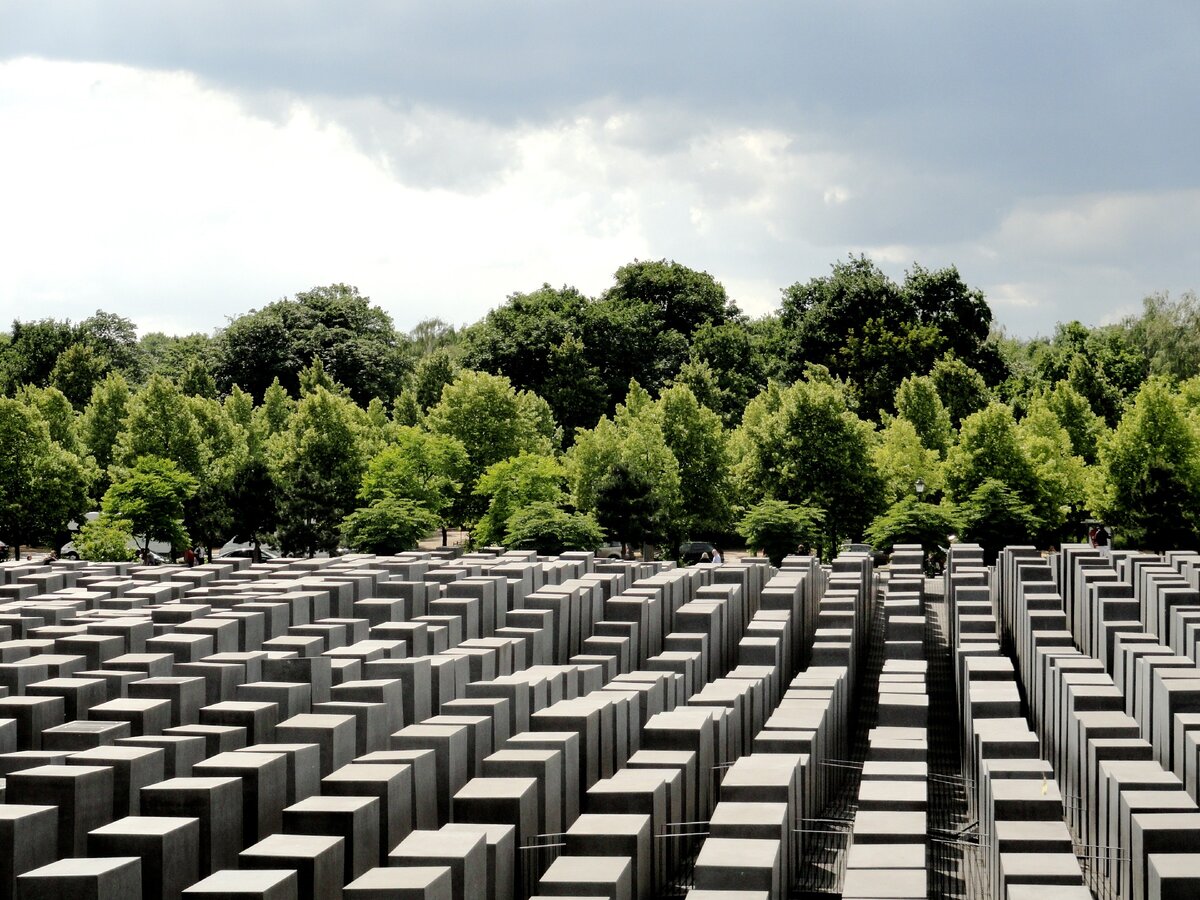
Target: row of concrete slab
(494,725)
(1087,798)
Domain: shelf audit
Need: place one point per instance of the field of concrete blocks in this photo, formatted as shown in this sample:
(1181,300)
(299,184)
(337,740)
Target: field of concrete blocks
(499,725)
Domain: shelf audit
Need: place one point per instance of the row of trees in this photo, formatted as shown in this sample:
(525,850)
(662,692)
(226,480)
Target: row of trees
(320,471)
(650,414)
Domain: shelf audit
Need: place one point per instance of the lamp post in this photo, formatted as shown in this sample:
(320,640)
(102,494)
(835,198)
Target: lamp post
(920,488)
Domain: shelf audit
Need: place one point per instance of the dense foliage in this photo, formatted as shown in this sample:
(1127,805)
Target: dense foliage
(654,413)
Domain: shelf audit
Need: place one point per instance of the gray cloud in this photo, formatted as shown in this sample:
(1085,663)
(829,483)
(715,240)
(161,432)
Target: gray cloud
(1048,149)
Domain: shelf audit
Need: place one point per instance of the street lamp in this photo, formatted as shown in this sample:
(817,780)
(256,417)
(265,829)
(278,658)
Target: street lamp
(920,486)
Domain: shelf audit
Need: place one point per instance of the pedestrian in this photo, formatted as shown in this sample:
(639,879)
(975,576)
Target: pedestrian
(189,557)
(716,557)
(1092,535)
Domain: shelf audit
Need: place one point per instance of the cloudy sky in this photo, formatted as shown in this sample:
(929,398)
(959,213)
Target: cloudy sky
(182,162)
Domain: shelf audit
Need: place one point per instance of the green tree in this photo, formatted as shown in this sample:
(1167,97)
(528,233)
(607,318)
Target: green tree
(317,466)
(426,468)
(197,381)
(961,388)
(1149,484)
(493,422)
(901,459)
(254,502)
(1061,475)
(550,530)
(994,516)
(433,373)
(388,525)
(1168,334)
(988,448)
(57,412)
(168,354)
(511,485)
(695,436)
(276,410)
(917,401)
(102,422)
(151,498)
(534,340)
(778,528)
(77,371)
(105,540)
(353,338)
(624,472)
(42,485)
(911,520)
(159,422)
(32,352)
(803,444)
(1074,413)
(113,338)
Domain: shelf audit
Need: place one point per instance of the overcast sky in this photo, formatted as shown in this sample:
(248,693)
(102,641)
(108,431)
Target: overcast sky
(179,163)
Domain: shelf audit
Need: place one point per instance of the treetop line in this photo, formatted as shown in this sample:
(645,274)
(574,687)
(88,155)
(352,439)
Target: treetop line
(652,414)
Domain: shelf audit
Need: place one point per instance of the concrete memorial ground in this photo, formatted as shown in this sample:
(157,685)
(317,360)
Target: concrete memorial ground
(505,726)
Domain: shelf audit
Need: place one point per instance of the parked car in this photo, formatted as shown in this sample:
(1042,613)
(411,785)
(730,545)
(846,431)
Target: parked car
(609,551)
(877,556)
(235,548)
(693,552)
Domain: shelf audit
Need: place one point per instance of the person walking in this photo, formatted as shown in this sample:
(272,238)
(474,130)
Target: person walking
(716,557)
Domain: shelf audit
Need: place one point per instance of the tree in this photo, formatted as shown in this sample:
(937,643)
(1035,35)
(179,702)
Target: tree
(159,422)
(493,422)
(803,444)
(225,446)
(197,381)
(901,459)
(911,520)
(1149,484)
(102,422)
(1060,473)
(254,502)
(433,373)
(1168,334)
(105,540)
(1074,413)
(694,435)
(276,410)
(917,401)
(550,530)
(151,498)
(114,338)
(317,466)
(869,330)
(960,388)
(682,299)
(430,335)
(534,340)
(988,448)
(994,516)
(168,355)
(354,340)
(77,371)
(32,352)
(511,485)
(42,486)
(778,528)
(428,469)
(623,471)
(388,525)
(56,411)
